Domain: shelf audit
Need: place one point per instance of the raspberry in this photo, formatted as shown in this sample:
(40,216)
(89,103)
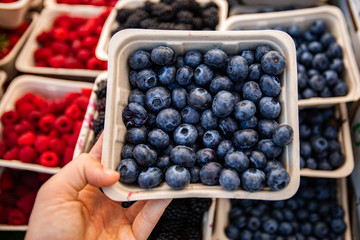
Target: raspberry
(16,217)
(43,54)
(60,47)
(73,139)
(27,154)
(34,117)
(26,203)
(84,30)
(13,39)
(6,181)
(68,156)
(27,138)
(60,104)
(22,28)
(24,109)
(43,177)
(8,129)
(70,97)
(63,21)
(77,126)
(72,36)
(46,122)
(29,180)
(12,154)
(72,62)
(90,41)
(83,55)
(82,102)
(60,34)
(8,198)
(9,117)
(73,112)
(49,159)
(23,126)
(63,124)
(3,215)
(41,64)
(57,61)
(76,45)
(86,92)
(94,64)
(21,190)
(41,143)
(54,133)
(39,102)
(11,139)
(49,107)
(26,98)
(57,146)
(43,37)
(2,149)
(65,137)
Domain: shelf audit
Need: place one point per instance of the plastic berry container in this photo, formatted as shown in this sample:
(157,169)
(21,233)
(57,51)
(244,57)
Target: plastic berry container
(103,44)
(124,43)
(55,4)
(336,25)
(12,14)
(224,206)
(3,77)
(46,87)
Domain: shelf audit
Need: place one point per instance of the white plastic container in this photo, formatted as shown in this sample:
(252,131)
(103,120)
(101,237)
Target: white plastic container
(346,148)
(12,14)
(8,62)
(279,3)
(46,87)
(3,77)
(55,4)
(355,176)
(124,43)
(110,24)
(224,206)
(335,22)
(26,63)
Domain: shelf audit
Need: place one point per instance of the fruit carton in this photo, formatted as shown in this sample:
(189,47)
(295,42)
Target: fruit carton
(335,22)
(284,3)
(346,148)
(26,62)
(46,87)
(223,208)
(12,14)
(103,44)
(124,43)
(55,4)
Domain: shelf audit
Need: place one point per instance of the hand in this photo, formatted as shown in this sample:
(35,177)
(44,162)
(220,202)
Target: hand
(71,206)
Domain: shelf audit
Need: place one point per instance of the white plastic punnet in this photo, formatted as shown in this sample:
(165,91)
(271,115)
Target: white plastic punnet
(12,14)
(232,42)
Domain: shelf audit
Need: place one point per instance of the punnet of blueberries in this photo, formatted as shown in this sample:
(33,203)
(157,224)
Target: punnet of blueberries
(313,213)
(320,148)
(170,15)
(205,117)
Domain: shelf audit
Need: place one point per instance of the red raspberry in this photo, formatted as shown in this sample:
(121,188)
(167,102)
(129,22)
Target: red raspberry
(29,179)
(24,126)
(90,41)
(21,190)
(43,54)
(60,104)
(2,149)
(73,112)
(16,217)
(22,28)
(26,98)
(60,34)
(6,181)
(41,64)
(83,55)
(39,102)
(26,202)
(11,139)
(77,126)
(13,39)
(60,47)
(27,154)
(12,154)
(8,198)
(73,139)
(24,109)
(49,107)
(57,146)
(9,117)
(68,156)
(34,117)
(94,64)
(49,159)
(57,61)
(3,215)
(43,37)
(70,97)
(65,137)
(84,30)
(8,129)
(46,122)
(63,124)
(42,143)
(72,62)
(63,21)
(43,177)
(76,45)
(54,134)
(78,21)
(82,102)
(86,92)
(26,139)
(98,30)
(72,36)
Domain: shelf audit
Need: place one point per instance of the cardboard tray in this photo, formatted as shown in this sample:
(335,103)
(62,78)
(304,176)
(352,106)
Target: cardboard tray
(335,22)
(47,87)
(12,14)
(124,43)
(103,44)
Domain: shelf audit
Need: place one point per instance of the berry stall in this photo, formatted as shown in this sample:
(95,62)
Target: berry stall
(245,113)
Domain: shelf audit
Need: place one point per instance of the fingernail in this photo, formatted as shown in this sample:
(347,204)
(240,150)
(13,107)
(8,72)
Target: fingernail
(110,171)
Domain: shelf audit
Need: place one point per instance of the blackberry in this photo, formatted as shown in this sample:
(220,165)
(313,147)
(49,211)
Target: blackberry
(210,5)
(191,233)
(100,105)
(166,25)
(162,11)
(123,14)
(149,23)
(197,23)
(184,17)
(127,204)
(98,125)
(167,1)
(199,205)
(194,219)
(182,26)
(211,18)
(168,236)
(148,6)
(133,21)
(179,5)
(101,91)
(176,210)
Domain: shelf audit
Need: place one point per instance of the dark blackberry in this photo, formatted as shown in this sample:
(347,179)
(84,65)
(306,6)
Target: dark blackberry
(197,23)
(100,104)
(176,210)
(149,23)
(98,124)
(101,90)
(166,25)
(175,225)
(192,233)
(210,5)
(148,6)
(168,236)
(179,5)
(199,205)
(195,219)
(211,18)
(162,11)
(123,14)
(127,204)
(184,17)
(133,21)
(167,1)
(182,26)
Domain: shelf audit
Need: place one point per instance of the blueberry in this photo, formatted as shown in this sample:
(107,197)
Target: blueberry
(245,138)
(144,155)
(229,179)
(327,39)
(179,62)
(179,97)
(146,79)
(140,59)
(200,130)
(267,127)
(128,169)
(251,91)
(317,82)
(190,87)
(183,156)
(334,145)
(208,119)
(203,75)
(278,179)
(185,134)
(224,148)
(127,151)
(331,77)
(199,98)
(162,55)
(136,135)
(337,65)
(304,131)
(306,59)
(334,51)
(223,104)
(168,119)
(136,96)
(177,177)
(336,159)
(205,155)
(270,85)
(216,58)
(150,178)
(269,107)
(305,149)
(132,78)
(244,110)
(320,62)
(270,226)
(255,72)
(134,115)
(194,174)
(309,36)
(285,229)
(337,212)
(167,150)
(249,123)
(257,159)
(237,97)
(309,93)
(269,148)
(237,160)
(318,27)
(211,139)
(157,98)
(338,225)
(228,126)
(319,144)
(173,86)
(294,31)
(321,230)
(193,58)
(237,68)
(210,173)
(249,56)
(341,89)
(220,83)
(166,75)
(232,231)
(273,63)
(283,135)
(325,165)
(190,115)
(315,47)
(253,180)
(158,138)
(184,75)
(260,52)
(163,162)
(311,163)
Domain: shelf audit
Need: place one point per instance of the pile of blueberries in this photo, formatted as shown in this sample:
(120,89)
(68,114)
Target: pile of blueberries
(319,145)
(205,117)
(169,15)
(98,124)
(313,213)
